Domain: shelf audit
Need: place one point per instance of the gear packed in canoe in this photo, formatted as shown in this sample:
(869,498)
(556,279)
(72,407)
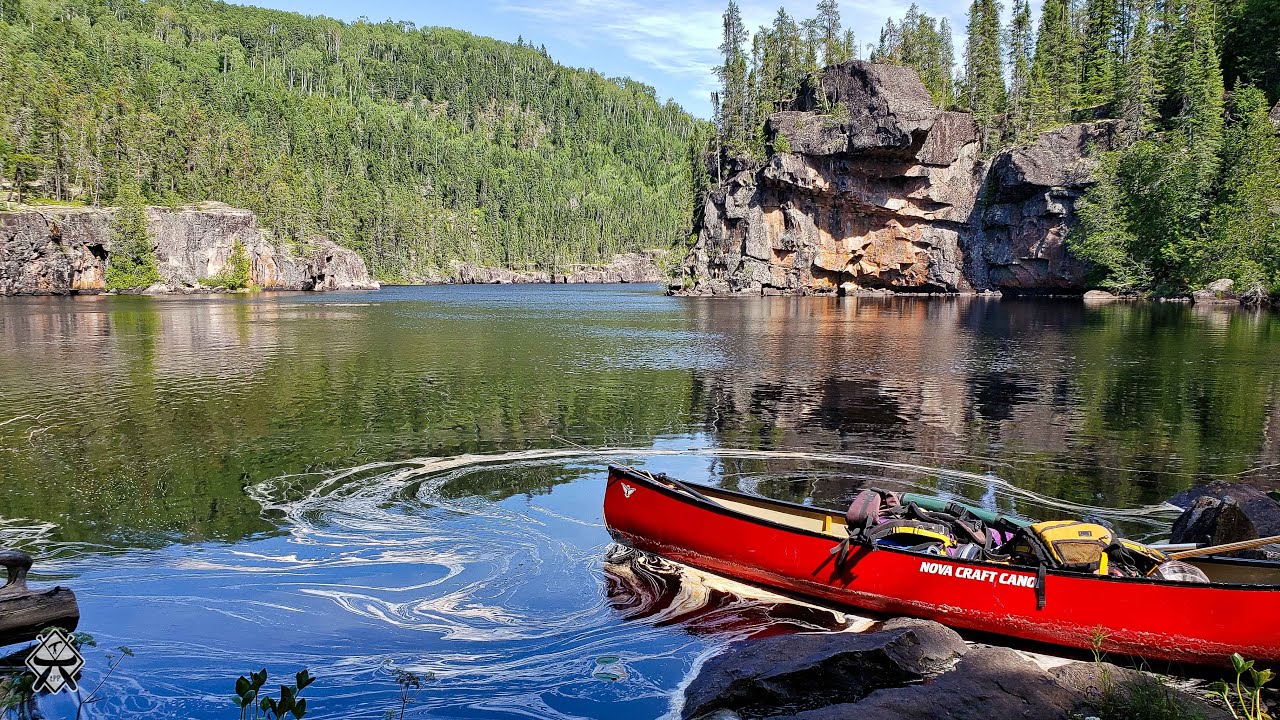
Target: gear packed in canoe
(1061,582)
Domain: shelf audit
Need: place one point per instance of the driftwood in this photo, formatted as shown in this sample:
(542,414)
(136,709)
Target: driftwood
(25,612)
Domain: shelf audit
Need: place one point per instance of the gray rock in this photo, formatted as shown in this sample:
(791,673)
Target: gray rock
(67,250)
(1099,296)
(1062,158)
(790,673)
(1211,521)
(993,682)
(1275,116)
(880,108)
(1261,510)
(1218,291)
(889,193)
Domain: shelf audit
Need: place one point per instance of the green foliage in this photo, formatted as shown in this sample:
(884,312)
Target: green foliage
(1249,44)
(1244,697)
(409,684)
(1055,77)
(415,147)
(1244,234)
(984,90)
(132,262)
(236,275)
(1142,699)
(254,705)
(1140,224)
(923,43)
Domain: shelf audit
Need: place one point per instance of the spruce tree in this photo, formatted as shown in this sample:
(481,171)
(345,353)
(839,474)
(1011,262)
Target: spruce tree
(1137,90)
(1245,224)
(1054,81)
(1100,52)
(734,113)
(983,75)
(1019,46)
(831,38)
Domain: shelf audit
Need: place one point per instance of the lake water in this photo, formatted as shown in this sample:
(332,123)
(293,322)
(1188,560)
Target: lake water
(357,482)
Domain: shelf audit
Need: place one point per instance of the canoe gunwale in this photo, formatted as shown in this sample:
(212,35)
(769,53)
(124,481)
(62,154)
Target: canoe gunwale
(675,493)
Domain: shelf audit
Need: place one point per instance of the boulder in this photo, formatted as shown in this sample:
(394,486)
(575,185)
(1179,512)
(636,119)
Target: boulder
(1211,521)
(1261,509)
(1099,296)
(1275,117)
(1218,291)
(1063,158)
(995,682)
(883,108)
(789,673)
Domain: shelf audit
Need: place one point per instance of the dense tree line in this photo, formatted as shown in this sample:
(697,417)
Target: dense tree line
(1193,195)
(416,147)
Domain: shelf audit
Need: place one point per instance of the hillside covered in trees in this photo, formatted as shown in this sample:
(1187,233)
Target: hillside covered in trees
(415,147)
(1193,194)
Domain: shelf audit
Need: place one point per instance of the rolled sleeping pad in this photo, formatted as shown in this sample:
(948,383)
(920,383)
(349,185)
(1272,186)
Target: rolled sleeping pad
(937,504)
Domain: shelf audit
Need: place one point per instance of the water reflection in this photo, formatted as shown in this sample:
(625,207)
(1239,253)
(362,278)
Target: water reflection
(345,480)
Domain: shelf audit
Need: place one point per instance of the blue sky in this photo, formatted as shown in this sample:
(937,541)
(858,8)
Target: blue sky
(669,44)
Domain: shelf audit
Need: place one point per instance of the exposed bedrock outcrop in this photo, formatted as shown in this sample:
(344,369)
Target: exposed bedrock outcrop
(911,669)
(54,251)
(888,192)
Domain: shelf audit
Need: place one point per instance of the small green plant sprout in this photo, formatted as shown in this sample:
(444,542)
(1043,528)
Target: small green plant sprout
(255,706)
(1244,698)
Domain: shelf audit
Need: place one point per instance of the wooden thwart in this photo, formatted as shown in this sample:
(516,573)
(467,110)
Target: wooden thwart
(1228,547)
(25,612)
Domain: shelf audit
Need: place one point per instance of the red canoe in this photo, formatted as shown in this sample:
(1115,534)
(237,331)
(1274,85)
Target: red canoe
(788,547)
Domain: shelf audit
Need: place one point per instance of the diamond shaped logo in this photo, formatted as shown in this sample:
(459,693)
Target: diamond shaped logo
(55,662)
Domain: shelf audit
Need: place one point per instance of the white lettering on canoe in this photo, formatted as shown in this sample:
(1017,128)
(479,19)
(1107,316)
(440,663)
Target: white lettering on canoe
(980,575)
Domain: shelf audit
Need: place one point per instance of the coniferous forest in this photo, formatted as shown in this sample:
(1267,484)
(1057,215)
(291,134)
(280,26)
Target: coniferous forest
(415,147)
(1194,194)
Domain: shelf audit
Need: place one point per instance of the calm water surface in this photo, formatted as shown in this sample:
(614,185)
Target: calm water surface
(357,482)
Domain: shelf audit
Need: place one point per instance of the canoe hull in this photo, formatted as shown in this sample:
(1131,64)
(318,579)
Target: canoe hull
(1180,622)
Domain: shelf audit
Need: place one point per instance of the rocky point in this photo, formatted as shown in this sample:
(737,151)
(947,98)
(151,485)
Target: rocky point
(59,251)
(868,186)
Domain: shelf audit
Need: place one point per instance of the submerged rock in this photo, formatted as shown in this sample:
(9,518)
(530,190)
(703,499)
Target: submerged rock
(888,192)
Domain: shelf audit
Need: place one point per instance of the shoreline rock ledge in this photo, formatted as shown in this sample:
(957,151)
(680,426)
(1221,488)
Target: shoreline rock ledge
(889,192)
(905,668)
(63,251)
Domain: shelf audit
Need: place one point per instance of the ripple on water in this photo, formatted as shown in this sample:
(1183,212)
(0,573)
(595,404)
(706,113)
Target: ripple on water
(493,572)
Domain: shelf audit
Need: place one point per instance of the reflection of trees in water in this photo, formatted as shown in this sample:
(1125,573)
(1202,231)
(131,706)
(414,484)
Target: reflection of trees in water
(1118,404)
(167,408)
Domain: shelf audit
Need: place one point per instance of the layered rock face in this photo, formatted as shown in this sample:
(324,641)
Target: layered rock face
(66,250)
(887,192)
(622,268)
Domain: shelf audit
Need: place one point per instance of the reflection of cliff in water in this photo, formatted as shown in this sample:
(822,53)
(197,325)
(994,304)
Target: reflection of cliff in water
(1124,402)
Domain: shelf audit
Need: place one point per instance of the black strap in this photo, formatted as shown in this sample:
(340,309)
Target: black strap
(1040,600)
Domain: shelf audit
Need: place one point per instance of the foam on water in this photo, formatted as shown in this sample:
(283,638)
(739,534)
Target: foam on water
(492,571)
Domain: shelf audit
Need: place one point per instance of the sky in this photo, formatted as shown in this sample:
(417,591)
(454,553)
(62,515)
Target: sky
(669,44)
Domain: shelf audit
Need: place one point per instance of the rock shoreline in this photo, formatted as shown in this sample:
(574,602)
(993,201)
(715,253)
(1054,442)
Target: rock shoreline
(64,251)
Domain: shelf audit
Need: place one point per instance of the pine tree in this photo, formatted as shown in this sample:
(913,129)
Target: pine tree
(983,75)
(1245,224)
(1054,81)
(1193,79)
(1020,49)
(1137,88)
(923,43)
(831,39)
(132,261)
(734,114)
(1100,52)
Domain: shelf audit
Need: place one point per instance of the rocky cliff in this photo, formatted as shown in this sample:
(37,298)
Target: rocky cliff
(888,192)
(54,251)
